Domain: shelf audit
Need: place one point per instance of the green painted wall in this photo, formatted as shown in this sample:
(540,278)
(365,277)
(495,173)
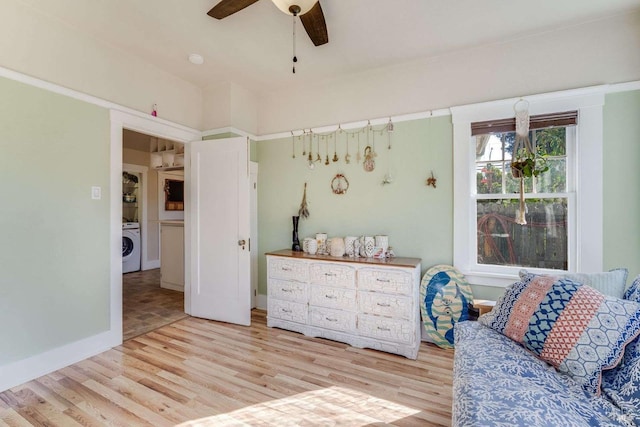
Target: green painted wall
(417,218)
(621,162)
(54,260)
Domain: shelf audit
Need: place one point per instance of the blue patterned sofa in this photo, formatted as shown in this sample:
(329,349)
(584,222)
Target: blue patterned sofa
(501,382)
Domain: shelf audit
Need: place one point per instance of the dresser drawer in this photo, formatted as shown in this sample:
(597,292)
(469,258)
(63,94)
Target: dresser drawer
(387,329)
(332,274)
(397,306)
(329,318)
(325,296)
(288,269)
(389,281)
(288,310)
(288,291)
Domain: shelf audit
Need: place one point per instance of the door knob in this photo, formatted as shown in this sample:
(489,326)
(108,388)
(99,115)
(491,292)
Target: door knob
(242,242)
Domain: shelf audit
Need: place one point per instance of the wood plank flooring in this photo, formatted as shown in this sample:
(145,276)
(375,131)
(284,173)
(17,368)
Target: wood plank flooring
(196,372)
(146,306)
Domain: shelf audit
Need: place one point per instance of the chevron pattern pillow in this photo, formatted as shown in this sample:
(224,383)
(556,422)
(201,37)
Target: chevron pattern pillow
(571,326)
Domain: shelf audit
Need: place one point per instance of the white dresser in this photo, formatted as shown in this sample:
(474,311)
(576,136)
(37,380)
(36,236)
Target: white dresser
(364,302)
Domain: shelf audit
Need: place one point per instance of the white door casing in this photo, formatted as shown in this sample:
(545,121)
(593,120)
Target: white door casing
(217,221)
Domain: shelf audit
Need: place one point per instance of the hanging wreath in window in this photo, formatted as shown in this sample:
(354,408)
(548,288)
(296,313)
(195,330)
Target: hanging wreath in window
(339,184)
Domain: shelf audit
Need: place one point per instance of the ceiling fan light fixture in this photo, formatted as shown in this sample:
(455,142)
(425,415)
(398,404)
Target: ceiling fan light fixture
(304,5)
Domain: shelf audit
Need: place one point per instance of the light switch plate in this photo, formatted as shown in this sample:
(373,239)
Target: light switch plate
(96,193)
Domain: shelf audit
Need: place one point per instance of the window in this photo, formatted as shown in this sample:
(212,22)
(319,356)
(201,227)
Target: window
(543,241)
(489,246)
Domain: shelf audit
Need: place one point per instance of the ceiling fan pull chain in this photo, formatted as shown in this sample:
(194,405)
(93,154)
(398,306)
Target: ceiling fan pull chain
(295,58)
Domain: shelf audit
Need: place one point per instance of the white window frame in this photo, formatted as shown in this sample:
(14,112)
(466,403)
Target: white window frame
(585,217)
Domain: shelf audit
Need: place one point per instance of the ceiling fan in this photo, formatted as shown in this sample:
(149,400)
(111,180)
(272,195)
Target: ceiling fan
(309,11)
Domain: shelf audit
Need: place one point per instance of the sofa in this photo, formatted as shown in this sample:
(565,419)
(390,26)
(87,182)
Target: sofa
(507,378)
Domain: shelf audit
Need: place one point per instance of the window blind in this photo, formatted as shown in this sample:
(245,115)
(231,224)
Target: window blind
(566,118)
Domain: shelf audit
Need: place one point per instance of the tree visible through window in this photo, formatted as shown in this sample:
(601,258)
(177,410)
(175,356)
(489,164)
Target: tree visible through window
(543,241)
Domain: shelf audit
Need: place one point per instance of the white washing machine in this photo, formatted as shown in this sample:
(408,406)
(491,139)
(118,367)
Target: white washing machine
(130,247)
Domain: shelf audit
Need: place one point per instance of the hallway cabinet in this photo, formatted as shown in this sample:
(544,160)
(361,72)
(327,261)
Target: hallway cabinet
(172,255)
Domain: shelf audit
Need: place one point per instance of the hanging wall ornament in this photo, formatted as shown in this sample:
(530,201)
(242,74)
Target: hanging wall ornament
(369,164)
(293,146)
(303,212)
(335,149)
(339,184)
(304,140)
(431,181)
(326,150)
(347,157)
(358,156)
(318,158)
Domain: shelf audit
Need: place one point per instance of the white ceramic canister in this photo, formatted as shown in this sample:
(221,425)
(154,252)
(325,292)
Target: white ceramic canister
(337,246)
(349,245)
(321,240)
(362,247)
(382,242)
(305,244)
(356,248)
(369,245)
(312,247)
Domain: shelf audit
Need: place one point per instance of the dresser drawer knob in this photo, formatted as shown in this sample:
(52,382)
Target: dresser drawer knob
(331,319)
(287,290)
(331,296)
(329,274)
(380,328)
(383,280)
(384,304)
(286,268)
(286,310)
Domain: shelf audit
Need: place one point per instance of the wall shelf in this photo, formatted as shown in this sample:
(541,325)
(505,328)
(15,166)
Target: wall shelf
(166,155)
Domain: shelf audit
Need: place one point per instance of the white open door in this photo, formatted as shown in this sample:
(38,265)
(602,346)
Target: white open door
(218,226)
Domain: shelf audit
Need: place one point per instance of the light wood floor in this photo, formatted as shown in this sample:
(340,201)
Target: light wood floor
(196,372)
(146,306)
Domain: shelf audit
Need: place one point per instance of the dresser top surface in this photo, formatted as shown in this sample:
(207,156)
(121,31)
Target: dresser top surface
(393,262)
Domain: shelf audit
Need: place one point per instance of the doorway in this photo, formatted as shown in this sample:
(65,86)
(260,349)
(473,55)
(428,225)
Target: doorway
(147,304)
(121,120)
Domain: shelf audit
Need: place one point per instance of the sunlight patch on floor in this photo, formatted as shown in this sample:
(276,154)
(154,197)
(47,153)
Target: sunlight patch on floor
(328,406)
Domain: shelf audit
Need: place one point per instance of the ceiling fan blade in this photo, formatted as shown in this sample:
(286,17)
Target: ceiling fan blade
(315,25)
(229,7)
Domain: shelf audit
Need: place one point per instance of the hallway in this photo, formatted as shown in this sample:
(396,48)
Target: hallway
(146,306)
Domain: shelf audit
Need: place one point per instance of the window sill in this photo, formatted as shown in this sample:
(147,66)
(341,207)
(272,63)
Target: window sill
(494,280)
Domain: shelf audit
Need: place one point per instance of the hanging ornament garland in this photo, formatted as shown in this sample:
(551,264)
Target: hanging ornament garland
(365,157)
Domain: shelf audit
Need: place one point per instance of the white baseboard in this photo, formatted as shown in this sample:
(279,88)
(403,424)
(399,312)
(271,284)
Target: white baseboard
(261,302)
(150,265)
(171,286)
(25,370)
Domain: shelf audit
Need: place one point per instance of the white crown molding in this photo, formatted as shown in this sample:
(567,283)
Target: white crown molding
(537,98)
(90,99)
(229,129)
(624,87)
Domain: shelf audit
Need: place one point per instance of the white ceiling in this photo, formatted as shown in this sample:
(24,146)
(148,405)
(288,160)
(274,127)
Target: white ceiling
(253,47)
